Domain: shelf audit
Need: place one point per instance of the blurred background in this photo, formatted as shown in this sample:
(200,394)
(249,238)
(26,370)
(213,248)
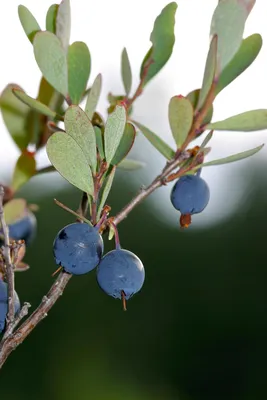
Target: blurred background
(198,328)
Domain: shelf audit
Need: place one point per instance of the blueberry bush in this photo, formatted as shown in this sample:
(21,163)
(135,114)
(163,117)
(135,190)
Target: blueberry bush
(86,149)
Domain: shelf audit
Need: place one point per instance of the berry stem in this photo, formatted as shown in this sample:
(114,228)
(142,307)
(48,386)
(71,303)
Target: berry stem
(117,238)
(123,299)
(79,216)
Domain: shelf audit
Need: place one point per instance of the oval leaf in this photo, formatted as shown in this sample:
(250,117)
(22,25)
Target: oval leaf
(126,71)
(63,22)
(254,120)
(233,158)
(15,115)
(114,131)
(79,127)
(193,97)
(28,22)
(69,160)
(105,192)
(99,141)
(125,145)
(25,168)
(156,141)
(162,38)
(79,66)
(51,18)
(228,24)
(209,74)
(131,165)
(93,96)
(52,60)
(14,210)
(180,117)
(245,56)
(35,104)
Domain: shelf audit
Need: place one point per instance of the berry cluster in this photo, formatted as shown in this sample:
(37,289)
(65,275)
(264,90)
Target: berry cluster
(78,249)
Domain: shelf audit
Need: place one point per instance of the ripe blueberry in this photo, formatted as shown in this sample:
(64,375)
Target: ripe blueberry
(78,248)
(4,302)
(120,274)
(190,195)
(24,228)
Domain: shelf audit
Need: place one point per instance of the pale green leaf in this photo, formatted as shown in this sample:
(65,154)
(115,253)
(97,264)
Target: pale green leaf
(99,141)
(79,66)
(14,210)
(114,131)
(131,165)
(80,128)
(63,23)
(52,60)
(180,118)
(126,71)
(25,168)
(156,141)
(125,145)
(34,104)
(51,17)
(28,22)
(93,96)
(254,120)
(105,192)
(69,160)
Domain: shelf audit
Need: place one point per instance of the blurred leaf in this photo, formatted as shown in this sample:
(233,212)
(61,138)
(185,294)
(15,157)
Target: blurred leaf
(193,97)
(63,23)
(233,158)
(228,23)
(69,160)
(14,210)
(254,120)
(111,232)
(244,57)
(35,104)
(206,141)
(14,114)
(209,73)
(79,66)
(98,120)
(114,131)
(45,92)
(162,38)
(21,267)
(52,60)
(28,22)
(79,127)
(25,168)
(99,141)
(156,141)
(51,17)
(126,71)
(93,96)
(131,165)
(125,145)
(105,192)
(180,118)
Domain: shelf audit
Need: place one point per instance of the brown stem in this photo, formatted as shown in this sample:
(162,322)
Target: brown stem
(139,90)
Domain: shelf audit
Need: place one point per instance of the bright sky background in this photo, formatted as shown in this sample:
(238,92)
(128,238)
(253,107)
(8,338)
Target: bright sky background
(107,26)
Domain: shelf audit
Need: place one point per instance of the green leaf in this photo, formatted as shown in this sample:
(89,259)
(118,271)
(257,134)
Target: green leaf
(15,114)
(162,38)
(93,96)
(233,158)
(14,210)
(69,160)
(193,97)
(51,17)
(206,141)
(244,57)
(28,22)
(105,192)
(46,92)
(126,71)
(209,74)
(25,168)
(180,118)
(79,66)
(52,60)
(131,165)
(156,141)
(79,127)
(35,104)
(125,145)
(228,23)
(114,131)
(99,141)
(254,120)
(63,23)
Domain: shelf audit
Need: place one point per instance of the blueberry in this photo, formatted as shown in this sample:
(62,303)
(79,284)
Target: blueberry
(120,272)
(3,304)
(190,195)
(24,228)
(78,248)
